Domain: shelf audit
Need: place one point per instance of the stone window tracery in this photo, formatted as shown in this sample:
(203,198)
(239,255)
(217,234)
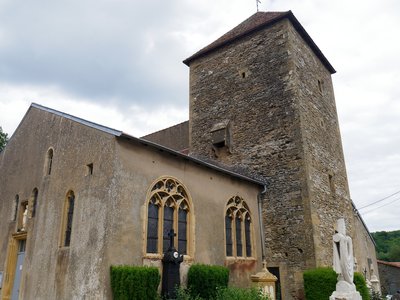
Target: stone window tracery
(238,228)
(168,208)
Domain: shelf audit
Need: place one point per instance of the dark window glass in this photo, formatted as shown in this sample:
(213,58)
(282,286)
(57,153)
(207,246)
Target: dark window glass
(228,230)
(70,214)
(49,161)
(168,225)
(248,237)
(239,250)
(152,228)
(35,198)
(16,207)
(182,231)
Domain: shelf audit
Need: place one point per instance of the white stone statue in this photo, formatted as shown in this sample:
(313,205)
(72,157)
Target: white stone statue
(24,218)
(343,264)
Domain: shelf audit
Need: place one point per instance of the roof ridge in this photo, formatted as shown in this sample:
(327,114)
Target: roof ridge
(77,119)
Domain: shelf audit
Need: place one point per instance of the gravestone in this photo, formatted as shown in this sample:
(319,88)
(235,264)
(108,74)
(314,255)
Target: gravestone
(170,274)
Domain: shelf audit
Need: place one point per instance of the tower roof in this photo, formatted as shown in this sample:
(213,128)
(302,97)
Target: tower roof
(256,22)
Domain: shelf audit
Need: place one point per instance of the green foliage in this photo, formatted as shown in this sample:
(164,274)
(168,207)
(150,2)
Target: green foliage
(361,286)
(130,282)
(203,280)
(3,139)
(319,283)
(224,293)
(387,245)
(234,293)
(377,296)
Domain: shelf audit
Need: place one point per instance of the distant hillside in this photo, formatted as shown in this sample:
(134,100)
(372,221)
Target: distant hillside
(387,245)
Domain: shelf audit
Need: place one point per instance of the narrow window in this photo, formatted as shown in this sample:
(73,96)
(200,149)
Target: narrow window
(16,203)
(331,184)
(152,228)
(228,233)
(247,225)
(239,246)
(182,231)
(35,193)
(69,216)
(89,169)
(168,225)
(49,161)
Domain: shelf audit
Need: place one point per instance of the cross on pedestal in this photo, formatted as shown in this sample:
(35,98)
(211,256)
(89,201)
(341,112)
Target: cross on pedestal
(171,235)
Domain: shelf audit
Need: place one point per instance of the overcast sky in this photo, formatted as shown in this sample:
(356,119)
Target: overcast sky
(119,63)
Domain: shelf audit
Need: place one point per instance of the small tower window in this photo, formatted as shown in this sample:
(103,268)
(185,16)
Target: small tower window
(89,169)
(321,86)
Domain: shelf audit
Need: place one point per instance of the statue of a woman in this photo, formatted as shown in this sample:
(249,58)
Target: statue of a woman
(24,218)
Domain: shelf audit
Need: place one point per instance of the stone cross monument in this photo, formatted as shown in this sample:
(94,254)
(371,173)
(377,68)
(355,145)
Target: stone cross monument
(343,264)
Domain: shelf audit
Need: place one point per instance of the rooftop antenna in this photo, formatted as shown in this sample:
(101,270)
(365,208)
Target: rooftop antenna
(257,2)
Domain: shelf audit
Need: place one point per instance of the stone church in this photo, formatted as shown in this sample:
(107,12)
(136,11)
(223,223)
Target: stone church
(256,173)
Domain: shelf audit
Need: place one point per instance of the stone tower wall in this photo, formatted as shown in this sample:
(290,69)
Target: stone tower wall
(252,84)
(328,192)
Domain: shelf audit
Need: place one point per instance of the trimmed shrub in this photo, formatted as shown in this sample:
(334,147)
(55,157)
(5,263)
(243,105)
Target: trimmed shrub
(131,282)
(361,286)
(234,293)
(319,283)
(203,280)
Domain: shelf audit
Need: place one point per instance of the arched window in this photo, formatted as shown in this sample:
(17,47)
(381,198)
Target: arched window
(34,199)
(49,161)
(168,207)
(68,214)
(15,212)
(238,228)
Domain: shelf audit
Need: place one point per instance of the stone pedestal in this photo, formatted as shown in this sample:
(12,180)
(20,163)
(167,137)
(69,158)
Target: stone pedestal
(375,284)
(345,291)
(265,281)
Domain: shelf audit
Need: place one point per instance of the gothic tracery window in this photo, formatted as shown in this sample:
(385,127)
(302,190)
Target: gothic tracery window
(238,228)
(168,208)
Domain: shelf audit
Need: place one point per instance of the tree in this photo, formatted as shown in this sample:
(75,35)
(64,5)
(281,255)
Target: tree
(3,139)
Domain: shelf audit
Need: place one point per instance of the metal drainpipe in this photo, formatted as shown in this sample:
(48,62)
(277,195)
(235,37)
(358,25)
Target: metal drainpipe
(260,198)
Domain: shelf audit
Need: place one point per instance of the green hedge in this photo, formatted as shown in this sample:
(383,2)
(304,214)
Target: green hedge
(361,286)
(130,282)
(320,283)
(203,280)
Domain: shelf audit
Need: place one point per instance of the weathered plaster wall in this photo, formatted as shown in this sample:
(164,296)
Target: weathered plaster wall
(175,137)
(138,169)
(51,272)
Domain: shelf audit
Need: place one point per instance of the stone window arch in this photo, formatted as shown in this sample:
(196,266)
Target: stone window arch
(49,161)
(34,200)
(168,207)
(15,210)
(238,229)
(67,218)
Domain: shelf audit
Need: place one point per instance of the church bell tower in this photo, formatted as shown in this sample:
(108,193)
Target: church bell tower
(261,100)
